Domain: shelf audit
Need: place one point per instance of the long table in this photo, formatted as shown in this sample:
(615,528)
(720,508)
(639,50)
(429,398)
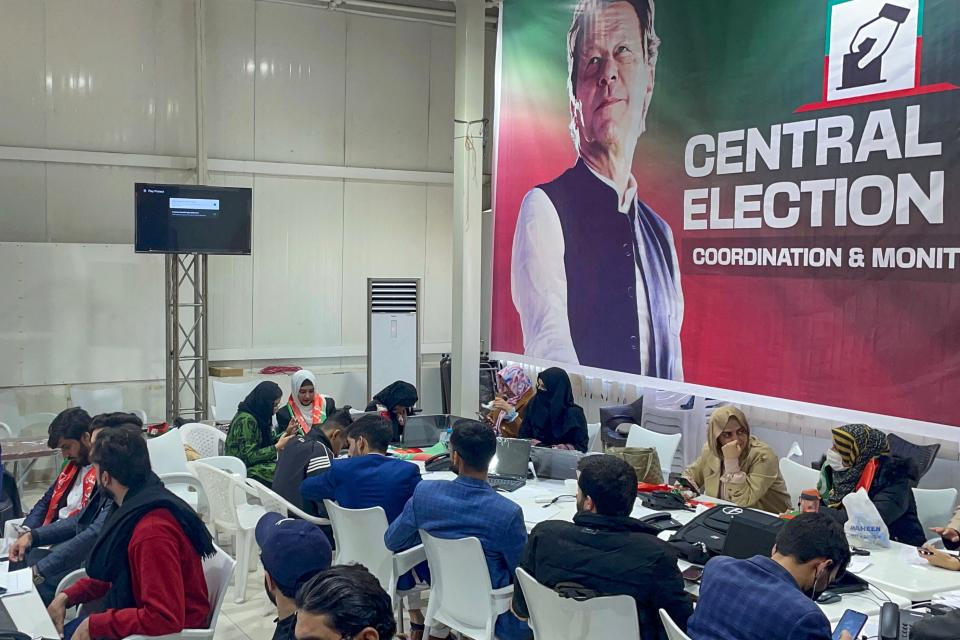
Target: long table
(890,574)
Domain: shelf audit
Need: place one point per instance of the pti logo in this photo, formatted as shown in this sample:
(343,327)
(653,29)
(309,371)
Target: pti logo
(873,52)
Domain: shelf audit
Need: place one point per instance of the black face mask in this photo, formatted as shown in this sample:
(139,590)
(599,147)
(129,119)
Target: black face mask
(815,593)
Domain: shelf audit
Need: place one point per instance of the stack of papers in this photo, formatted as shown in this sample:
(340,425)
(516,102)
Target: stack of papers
(16,582)
(858,564)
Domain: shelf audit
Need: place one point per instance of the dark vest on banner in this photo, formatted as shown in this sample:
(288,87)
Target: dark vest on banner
(601,258)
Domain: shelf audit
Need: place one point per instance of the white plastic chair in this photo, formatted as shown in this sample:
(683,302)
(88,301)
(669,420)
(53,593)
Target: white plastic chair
(673,631)
(230,464)
(5,430)
(666,445)
(798,477)
(359,536)
(35,425)
(232,516)
(470,606)
(935,507)
(217,571)
(95,401)
(226,397)
(140,413)
(593,435)
(273,502)
(553,617)
(206,440)
(169,461)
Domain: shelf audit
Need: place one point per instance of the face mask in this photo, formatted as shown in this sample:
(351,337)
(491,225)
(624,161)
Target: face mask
(835,461)
(815,593)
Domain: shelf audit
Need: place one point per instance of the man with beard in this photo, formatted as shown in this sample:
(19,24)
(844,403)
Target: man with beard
(71,538)
(606,551)
(292,552)
(70,492)
(146,564)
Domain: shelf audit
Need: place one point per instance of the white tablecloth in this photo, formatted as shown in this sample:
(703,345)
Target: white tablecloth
(889,569)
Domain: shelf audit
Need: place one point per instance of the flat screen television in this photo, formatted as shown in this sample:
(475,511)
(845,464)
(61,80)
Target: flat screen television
(188,218)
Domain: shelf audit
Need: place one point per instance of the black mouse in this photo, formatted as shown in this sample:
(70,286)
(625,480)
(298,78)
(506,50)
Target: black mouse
(828,597)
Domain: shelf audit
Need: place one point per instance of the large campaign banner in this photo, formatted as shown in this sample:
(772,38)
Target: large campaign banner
(755,196)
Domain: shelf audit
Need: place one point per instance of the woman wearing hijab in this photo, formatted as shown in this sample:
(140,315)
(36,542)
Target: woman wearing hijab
(251,437)
(305,407)
(737,466)
(514,393)
(860,459)
(395,401)
(552,419)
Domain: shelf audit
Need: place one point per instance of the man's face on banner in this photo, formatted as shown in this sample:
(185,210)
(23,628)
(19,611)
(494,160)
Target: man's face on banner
(614,81)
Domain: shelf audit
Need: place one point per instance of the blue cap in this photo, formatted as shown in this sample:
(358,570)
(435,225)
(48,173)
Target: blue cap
(292,550)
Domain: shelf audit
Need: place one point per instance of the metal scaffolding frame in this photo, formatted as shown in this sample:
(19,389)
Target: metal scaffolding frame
(187,353)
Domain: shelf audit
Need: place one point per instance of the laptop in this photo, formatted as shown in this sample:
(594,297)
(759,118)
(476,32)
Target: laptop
(508,469)
(748,537)
(6,622)
(556,464)
(421,432)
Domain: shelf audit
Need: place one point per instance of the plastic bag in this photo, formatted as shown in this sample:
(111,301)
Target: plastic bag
(864,526)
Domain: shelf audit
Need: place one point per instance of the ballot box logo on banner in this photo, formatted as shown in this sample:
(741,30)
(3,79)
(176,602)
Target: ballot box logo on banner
(873,52)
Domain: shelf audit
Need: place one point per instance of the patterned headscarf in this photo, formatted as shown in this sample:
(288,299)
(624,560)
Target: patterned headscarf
(857,445)
(516,381)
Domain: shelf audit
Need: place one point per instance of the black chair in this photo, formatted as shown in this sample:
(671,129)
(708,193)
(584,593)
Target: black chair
(613,416)
(922,454)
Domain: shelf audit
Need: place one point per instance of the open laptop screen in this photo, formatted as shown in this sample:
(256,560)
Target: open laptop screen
(512,458)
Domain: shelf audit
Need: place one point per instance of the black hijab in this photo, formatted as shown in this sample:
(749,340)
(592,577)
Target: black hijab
(259,404)
(552,413)
(109,560)
(397,394)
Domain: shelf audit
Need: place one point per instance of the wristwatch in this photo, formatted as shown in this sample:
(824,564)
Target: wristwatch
(38,578)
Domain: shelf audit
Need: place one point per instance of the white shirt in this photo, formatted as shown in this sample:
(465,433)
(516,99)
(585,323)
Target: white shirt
(75,496)
(539,280)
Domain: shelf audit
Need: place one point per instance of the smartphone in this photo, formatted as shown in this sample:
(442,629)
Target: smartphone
(693,574)
(683,482)
(852,622)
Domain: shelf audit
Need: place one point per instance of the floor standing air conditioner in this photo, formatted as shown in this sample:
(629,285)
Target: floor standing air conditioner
(393,332)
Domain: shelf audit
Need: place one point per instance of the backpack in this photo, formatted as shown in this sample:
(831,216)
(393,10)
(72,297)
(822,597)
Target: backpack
(705,536)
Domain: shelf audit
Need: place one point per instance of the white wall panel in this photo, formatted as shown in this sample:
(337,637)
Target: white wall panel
(442,76)
(229,76)
(300,84)
(23,210)
(230,288)
(175,85)
(22,89)
(297,245)
(94,204)
(107,93)
(85,312)
(383,225)
(388,88)
(438,266)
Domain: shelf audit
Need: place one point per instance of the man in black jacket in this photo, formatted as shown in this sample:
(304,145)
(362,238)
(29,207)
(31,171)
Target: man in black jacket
(71,538)
(606,551)
(310,455)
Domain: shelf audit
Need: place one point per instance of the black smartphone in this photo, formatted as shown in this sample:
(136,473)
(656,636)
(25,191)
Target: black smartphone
(852,622)
(683,482)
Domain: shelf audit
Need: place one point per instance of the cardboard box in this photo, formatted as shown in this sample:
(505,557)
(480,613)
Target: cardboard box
(226,372)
